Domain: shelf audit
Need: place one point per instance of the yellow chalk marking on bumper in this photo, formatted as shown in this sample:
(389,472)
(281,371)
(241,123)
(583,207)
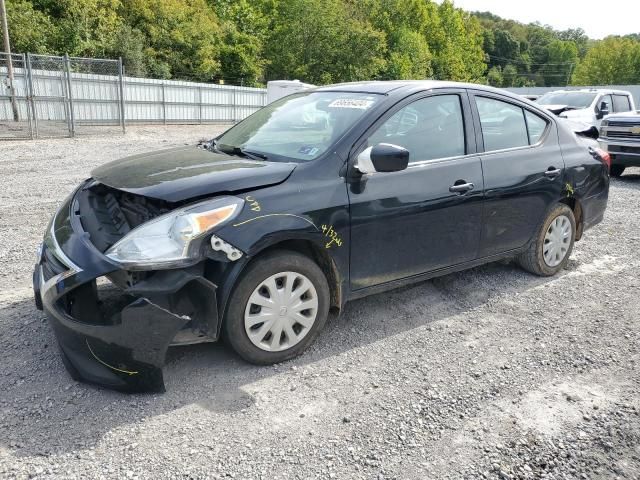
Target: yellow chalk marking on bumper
(128,372)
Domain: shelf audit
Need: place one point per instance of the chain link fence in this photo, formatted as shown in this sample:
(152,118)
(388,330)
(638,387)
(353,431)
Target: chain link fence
(58,96)
(15,109)
(53,96)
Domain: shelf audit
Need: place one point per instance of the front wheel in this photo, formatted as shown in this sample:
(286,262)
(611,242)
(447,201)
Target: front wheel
(616,170)
(549,251)
(277,309)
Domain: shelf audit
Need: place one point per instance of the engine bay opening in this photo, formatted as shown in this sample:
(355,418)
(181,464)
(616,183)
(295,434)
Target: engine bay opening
(108,214)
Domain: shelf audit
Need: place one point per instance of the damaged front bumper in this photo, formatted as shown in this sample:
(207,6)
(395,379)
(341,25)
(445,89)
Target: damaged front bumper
(114,326)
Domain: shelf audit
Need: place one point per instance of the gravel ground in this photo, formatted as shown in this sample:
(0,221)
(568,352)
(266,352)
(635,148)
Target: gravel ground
(488,373)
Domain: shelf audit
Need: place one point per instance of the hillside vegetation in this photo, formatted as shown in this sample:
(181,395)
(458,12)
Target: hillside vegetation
(319,41)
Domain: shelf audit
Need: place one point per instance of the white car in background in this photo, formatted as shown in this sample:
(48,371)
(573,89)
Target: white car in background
(587,106)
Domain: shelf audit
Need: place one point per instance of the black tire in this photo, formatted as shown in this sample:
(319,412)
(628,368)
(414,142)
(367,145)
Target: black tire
(258,271)
(532,259)
(616,170)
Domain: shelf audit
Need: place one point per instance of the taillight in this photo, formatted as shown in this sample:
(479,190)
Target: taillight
(602,155)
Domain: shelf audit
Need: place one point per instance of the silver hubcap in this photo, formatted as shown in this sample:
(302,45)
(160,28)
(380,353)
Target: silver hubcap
(557,241)
(281,311)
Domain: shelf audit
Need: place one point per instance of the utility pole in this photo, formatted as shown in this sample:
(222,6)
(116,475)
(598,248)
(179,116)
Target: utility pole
(568,74)
(7,49)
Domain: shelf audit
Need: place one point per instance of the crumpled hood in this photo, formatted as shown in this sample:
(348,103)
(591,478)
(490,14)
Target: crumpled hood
(182,173)
(558,109)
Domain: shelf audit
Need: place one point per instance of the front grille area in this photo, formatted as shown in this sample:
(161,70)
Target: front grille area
(108,214)
(614,123)
(620,134)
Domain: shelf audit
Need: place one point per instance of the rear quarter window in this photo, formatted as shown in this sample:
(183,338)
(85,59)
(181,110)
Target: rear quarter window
(503,124)
(536,126)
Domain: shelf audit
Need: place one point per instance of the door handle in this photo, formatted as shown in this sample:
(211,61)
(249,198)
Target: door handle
(552,172)
(460,187)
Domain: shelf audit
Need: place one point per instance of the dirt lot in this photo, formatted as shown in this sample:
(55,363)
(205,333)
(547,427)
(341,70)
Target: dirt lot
(489,373)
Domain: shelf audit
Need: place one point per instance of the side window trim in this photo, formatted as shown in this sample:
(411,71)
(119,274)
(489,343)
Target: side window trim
(471,147)
(526,126)
(478,126)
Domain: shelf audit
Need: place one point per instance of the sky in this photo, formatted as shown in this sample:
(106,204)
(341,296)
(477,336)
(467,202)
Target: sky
(623,16)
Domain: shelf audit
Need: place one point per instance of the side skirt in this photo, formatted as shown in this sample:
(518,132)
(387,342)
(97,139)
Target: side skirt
(383,287)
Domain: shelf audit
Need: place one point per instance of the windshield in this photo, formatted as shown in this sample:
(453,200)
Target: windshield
(570,99)
(301,126)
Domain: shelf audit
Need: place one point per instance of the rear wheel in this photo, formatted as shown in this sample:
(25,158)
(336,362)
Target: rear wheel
(549,251)
(616,170)
(277,309)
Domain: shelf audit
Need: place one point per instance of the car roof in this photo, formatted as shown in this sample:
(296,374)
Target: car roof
(592,90)
(387,86)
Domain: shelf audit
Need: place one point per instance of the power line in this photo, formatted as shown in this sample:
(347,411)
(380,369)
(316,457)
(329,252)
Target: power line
(526,63)
(540,74)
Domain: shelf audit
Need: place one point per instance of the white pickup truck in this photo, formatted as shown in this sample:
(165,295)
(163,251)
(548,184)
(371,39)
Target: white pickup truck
(588,106)
(620,136)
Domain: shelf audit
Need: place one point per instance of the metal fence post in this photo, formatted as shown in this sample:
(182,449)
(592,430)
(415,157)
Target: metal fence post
(26,94)
(31,95)
(200,105)
(234,111)
(121,93)
(164,107)
(67,65)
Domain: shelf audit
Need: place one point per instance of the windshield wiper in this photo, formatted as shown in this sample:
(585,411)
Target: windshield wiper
(240,152)
(253,155)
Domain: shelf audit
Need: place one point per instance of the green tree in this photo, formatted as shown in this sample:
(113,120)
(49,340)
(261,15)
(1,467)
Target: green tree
(506,48)
(614,60)
(402,22)
(494,77)
(244,32)
(455,39)
(88,28)
(577,36)
(338,45)
(562,56)
(510,75)
(30,30)
(131,47)
(318,41)
(183,37)
(409,56)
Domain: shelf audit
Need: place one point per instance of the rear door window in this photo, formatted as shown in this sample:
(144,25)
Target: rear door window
(503,124)
(621,103)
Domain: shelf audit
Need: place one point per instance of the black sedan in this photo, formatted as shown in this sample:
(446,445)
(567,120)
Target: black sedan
(321,197)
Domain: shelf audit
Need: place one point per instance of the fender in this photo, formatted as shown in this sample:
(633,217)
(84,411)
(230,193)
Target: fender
(255,233)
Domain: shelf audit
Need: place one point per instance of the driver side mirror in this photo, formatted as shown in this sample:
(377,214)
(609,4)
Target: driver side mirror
(384,157)
(603,110)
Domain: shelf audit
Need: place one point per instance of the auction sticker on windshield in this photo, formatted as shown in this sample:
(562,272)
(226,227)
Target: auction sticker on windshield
(308,150)
(351,103)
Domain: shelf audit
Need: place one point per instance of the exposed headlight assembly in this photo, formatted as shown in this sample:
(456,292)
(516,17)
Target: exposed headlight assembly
(173,239)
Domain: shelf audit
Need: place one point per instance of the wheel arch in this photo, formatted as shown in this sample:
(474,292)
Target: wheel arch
(228,280)
(319,255)
(576,206)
